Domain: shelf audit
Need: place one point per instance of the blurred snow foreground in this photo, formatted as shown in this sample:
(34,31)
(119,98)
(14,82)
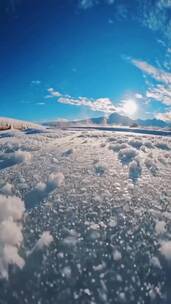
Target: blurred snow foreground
(11,212)
(85,217)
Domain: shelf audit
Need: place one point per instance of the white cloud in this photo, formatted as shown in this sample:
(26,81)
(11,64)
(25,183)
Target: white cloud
(164,3)
(54,93)
(154,15)
(161,90)
(85,4)
(138,96)
(155,73)
(161,93)
(36,82)
(40,103)
(99,104)
(103,104)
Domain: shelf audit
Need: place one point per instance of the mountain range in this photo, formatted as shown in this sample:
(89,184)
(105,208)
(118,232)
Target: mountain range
(113,119)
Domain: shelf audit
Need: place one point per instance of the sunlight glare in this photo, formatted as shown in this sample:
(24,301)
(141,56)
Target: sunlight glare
(129,107)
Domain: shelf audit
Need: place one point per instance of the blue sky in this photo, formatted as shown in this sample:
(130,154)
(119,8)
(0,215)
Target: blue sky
(86,58)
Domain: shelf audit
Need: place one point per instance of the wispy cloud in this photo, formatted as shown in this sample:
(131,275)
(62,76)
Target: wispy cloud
(104,104)
(40,103)
(161,93)
(155,73)
(160,89)
(100,104)
(36,82)
(153,15)
(86,4)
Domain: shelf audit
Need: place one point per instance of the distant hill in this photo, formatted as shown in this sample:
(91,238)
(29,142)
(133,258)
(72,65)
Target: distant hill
(113,119)
(9,123)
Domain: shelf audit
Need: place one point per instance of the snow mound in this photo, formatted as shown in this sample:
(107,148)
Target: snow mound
(127,155)
(43,189)
(22,156)
(45,240)
(135,170)
(55,180)
(152,167)
(11,213)
(165,250)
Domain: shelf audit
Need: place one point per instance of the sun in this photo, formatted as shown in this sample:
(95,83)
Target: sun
(129,107)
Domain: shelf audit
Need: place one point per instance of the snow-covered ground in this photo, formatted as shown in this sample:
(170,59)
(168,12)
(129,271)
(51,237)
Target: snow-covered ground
(10,123)
(85,217)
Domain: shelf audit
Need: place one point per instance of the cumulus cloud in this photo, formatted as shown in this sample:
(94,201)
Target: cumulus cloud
(11,213)
(99,104)
(103,104)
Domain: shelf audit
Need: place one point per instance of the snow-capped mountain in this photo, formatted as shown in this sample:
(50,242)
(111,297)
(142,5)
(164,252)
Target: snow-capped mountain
(113,119)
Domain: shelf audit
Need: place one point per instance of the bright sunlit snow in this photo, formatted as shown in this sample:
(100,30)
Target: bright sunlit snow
(96,223)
